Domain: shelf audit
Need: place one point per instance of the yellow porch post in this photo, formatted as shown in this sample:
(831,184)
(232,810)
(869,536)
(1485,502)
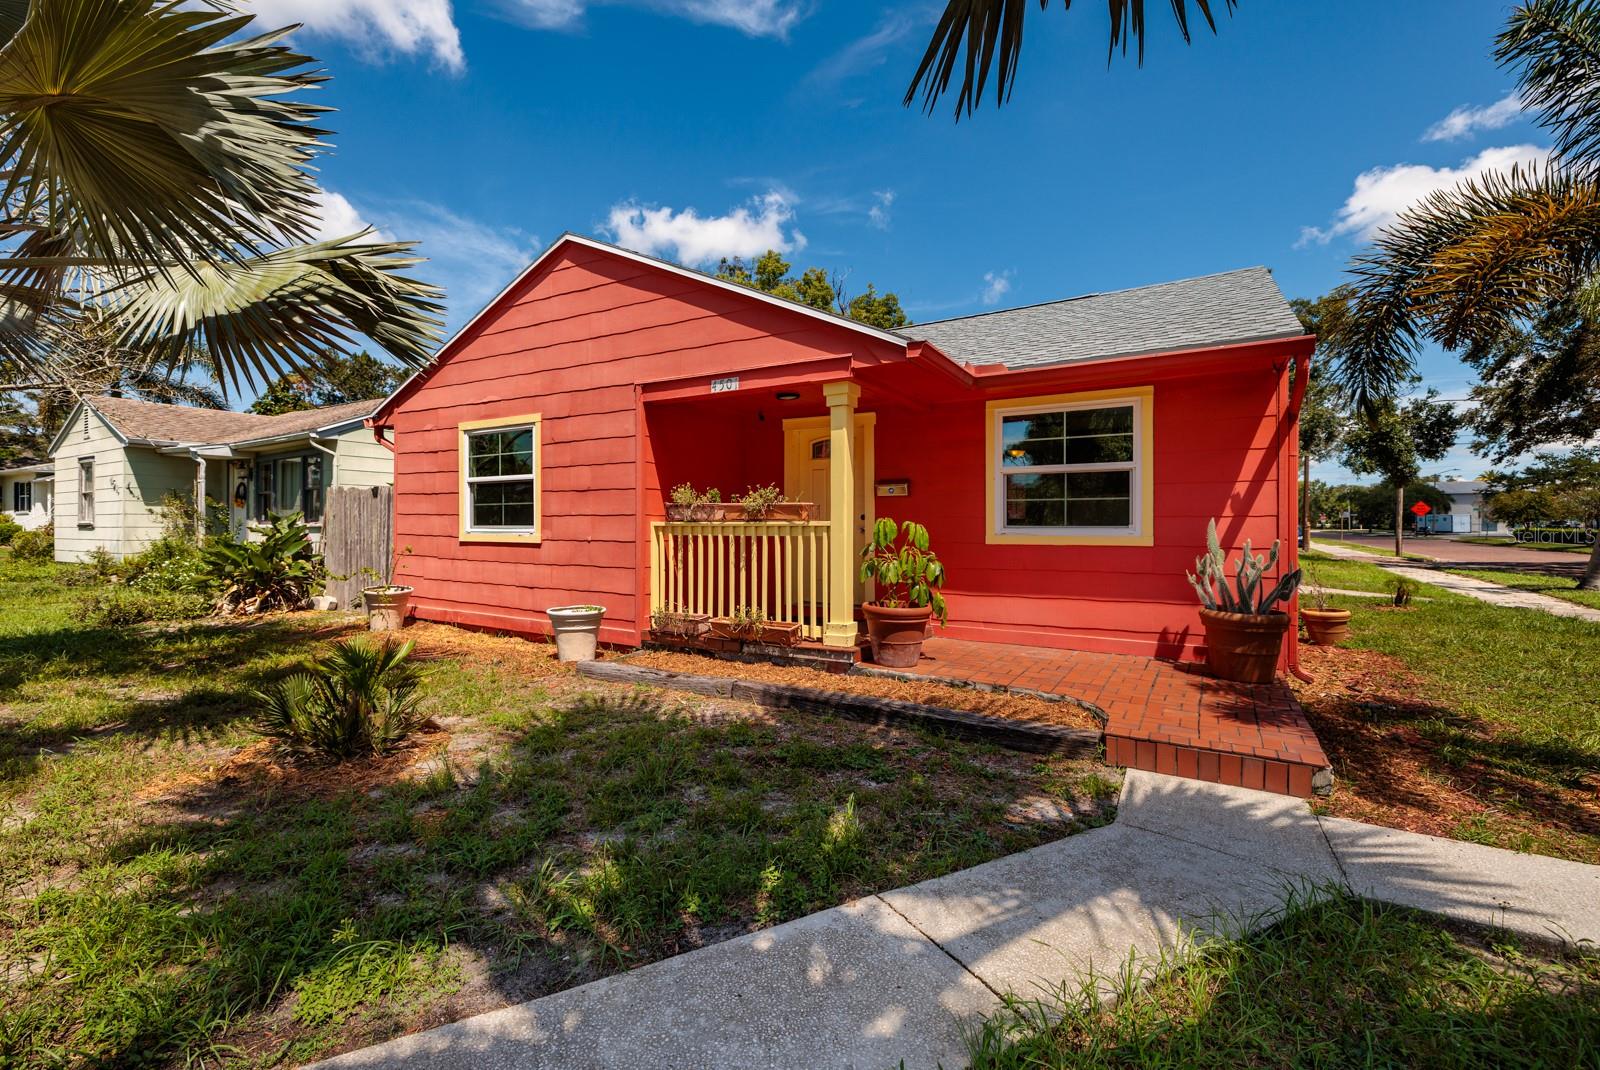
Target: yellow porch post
(841,626)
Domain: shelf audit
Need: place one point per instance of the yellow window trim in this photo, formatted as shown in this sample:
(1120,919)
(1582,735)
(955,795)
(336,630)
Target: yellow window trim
(1145,396)
(464,498)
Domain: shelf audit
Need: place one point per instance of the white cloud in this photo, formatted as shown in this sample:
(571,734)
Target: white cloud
(767,222)
(758,18)
(878,214)
(870,51)
(996,284)
(1384,192)
(340,219)
(373,26)
(1464,121)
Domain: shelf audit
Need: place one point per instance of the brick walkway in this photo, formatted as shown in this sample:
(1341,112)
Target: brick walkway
(1162,716)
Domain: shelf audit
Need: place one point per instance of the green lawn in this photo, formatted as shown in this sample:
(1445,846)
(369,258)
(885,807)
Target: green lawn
(1340,983)
(174,896)
(1497,723)
(1563,587)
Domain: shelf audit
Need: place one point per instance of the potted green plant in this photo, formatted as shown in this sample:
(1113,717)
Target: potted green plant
(387,602)
(768,503)
(908,577)
(1325,626)
(577,631)
(671,622)
(1244,633)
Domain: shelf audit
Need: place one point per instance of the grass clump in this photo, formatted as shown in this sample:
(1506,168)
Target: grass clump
(121,607)
(1338,982)
(359,700)
(37,545)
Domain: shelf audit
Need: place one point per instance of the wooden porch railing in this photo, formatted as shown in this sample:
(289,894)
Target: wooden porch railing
(778,567)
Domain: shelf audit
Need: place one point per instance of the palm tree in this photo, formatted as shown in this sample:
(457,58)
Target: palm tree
(1500,258)
(992,32)
(156,162)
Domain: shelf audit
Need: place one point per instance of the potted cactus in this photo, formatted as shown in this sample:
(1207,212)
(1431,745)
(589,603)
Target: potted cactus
(908,576)
(1244,632)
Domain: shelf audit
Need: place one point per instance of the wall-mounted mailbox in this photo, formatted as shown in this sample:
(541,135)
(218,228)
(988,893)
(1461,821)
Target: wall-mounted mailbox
(894,489)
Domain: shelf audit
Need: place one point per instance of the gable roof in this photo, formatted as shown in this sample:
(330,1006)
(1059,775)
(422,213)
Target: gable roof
(1212,310)
(152,423)
(1461,486)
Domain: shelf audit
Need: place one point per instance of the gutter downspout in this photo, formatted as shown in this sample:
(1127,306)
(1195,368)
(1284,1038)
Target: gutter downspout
(377,433)
(199,496)
(333,460)
(1297,397)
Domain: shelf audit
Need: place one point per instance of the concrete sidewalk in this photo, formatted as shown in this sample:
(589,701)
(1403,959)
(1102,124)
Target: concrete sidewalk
(900,976)
(1484,591)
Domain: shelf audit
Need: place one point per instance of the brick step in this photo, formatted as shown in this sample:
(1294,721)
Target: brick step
(1300,779)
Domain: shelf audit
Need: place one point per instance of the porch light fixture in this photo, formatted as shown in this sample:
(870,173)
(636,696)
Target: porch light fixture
(788,395)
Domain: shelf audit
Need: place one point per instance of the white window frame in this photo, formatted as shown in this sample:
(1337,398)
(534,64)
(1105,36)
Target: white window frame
(1135,469)
(86,492)
(471,532)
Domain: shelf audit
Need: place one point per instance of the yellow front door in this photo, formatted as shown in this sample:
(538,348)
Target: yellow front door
(807,463)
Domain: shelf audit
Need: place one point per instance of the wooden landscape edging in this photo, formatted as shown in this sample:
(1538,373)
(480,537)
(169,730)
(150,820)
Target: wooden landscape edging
(1016,735)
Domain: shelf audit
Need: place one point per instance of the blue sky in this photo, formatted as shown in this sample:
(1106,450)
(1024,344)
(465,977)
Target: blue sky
(694,128)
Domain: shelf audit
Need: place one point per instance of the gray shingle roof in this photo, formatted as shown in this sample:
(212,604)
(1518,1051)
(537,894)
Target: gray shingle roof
(1235,306)
(148,421)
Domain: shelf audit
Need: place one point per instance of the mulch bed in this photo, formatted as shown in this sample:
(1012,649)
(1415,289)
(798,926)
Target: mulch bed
(993,704)
(1369,711)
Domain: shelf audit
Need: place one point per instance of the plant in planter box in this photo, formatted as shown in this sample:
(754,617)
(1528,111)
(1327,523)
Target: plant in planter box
(744,623)
(908,577)
(1325,626)
(676,622)
(1244,632)
(687,504)
(768,503)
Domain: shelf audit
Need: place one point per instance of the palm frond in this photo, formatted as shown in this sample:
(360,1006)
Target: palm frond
(986,35)
(1554,45)
(280,311)
(151,129)
(1464,264)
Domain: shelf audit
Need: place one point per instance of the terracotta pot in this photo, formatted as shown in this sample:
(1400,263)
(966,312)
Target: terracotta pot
(897,633)
(386,607)
(1326,627)
(781,633)
(784,511)
(1244,647)
(682,625)
(577,630)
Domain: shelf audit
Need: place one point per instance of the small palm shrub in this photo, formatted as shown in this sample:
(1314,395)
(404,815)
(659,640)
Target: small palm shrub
(359,700)
(39,545)
(9,529)
(278,571)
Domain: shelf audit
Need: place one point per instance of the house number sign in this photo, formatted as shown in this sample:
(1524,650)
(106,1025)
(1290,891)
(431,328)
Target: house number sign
(723,386)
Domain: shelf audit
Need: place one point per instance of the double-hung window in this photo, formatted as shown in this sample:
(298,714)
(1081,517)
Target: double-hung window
(500,479)
(1068,468)
(86,492)
(22,496)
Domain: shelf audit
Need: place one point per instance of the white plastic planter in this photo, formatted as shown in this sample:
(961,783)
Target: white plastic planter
(577,631)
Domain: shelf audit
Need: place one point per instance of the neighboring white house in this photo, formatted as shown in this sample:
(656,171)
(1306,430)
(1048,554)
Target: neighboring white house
(116,460)
(26,493)
(1466,513)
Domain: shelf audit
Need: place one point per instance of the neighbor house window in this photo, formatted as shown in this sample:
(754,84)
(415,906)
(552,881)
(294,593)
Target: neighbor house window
(22,497)
(289,485)
(1072,468)
(500,479)
(86,492)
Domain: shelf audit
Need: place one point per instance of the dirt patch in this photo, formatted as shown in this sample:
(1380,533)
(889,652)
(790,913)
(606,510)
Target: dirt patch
(531,657)
(1383,737)
(990,703)
(261,767)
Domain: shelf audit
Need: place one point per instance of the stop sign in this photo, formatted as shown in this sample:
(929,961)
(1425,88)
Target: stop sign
(1422,509)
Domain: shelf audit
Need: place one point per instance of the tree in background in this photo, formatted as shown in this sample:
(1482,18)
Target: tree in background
(1371,505)
(1394,441)
(991,31)
(1323,413)
(815,288)
(159,174)
(1561,488)
(1504,268)
(335,380)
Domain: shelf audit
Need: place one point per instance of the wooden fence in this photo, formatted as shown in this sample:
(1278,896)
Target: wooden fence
(357,533)
(778,567)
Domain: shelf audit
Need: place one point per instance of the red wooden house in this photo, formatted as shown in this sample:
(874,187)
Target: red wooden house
(1065,457)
